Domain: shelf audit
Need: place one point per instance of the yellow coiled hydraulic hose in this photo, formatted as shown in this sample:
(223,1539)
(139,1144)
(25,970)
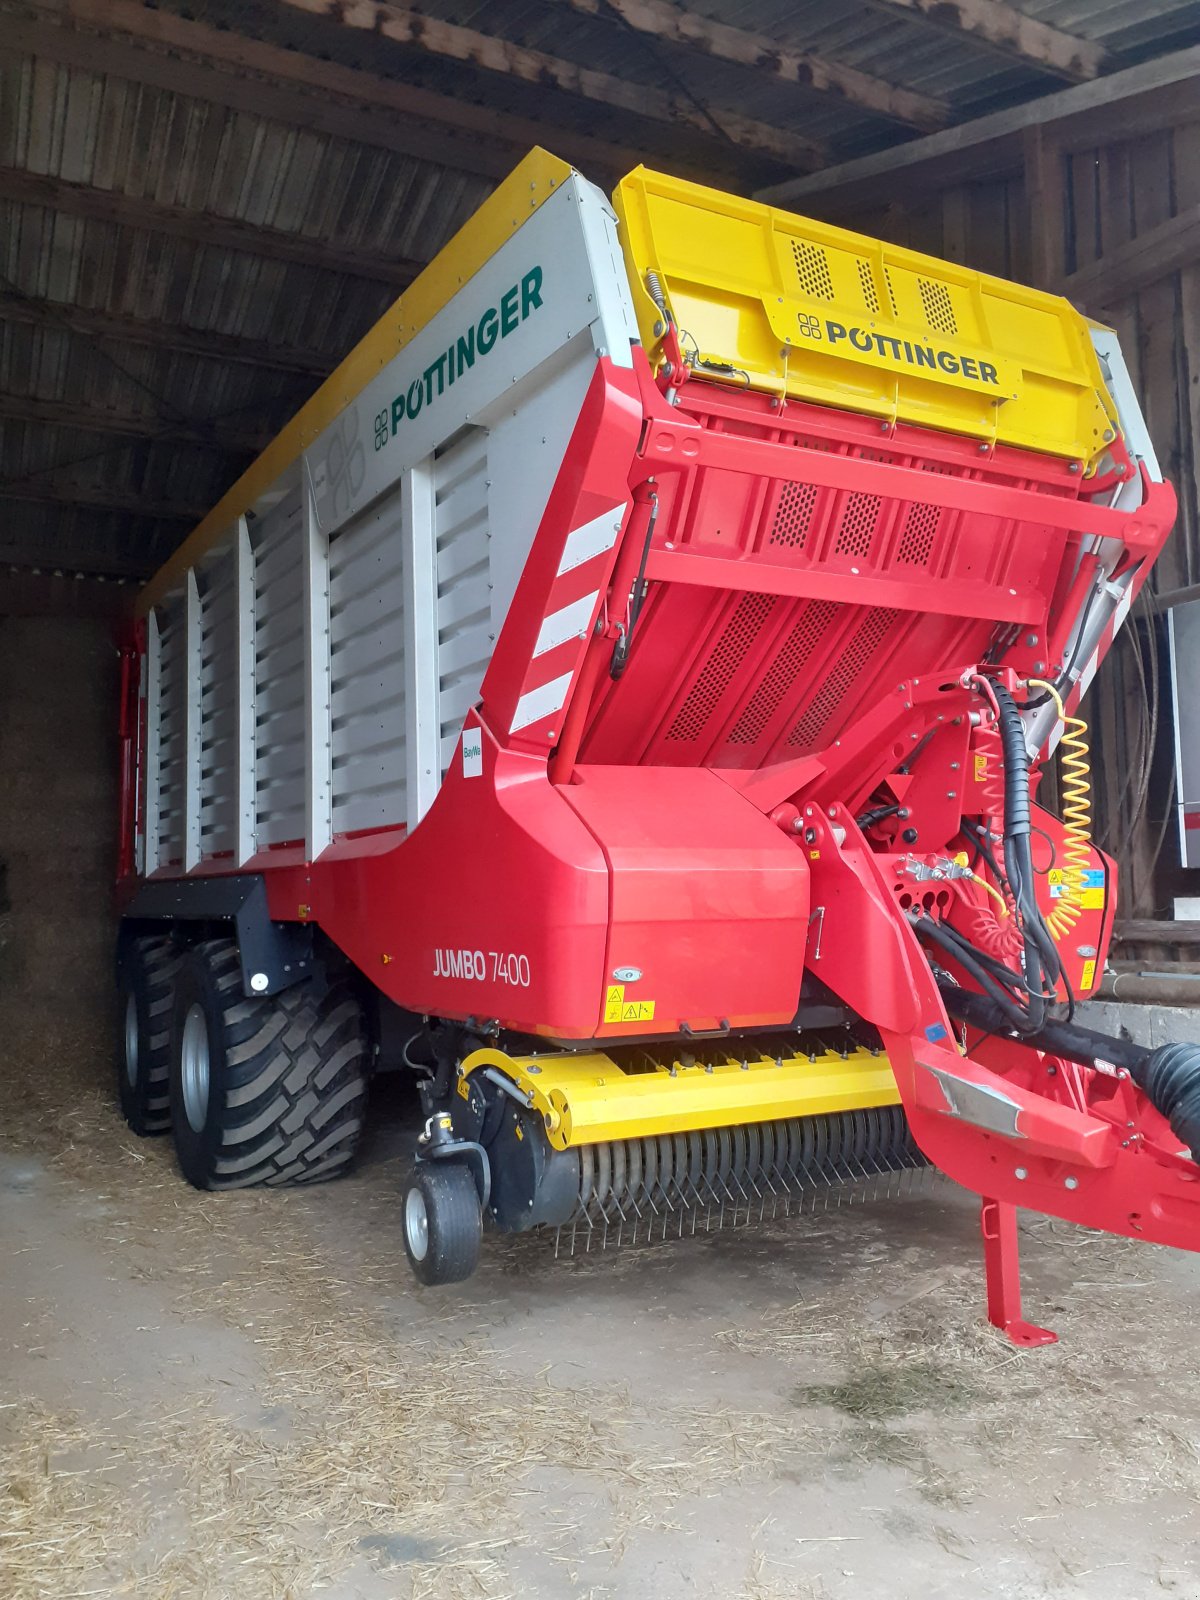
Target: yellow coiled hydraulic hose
(1076,815)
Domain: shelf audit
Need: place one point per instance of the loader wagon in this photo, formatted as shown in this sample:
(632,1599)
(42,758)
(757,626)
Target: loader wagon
(618,699)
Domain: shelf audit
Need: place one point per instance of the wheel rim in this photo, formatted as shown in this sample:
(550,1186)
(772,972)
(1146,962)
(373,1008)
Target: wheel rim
(131,1041)
(194,1065)
(416,1224)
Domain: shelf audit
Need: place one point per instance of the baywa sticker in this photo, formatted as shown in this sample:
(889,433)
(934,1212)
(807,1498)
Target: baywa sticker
(475,342)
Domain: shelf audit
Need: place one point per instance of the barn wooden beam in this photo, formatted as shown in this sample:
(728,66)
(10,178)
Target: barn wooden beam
(992,22)
(145,333)
(672,24)
(298,88)
(1145,259)
(125,501)
(489,53)
(1142,99)
(225,436)
(203,228)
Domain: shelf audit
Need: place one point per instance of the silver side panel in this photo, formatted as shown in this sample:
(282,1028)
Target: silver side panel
(1183,625)
(340,633)
(367,670)
(218,708)
(172,668)
(1112,598)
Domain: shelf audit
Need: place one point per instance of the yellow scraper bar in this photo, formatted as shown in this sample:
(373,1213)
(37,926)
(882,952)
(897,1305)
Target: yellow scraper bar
(799,308)
(588,1098)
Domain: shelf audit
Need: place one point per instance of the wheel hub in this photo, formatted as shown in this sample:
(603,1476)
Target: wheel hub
(416,1224)
(131,1041)
(194,1064)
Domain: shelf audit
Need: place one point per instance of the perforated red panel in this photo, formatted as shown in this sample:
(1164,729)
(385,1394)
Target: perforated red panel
(857,529)
(691,720)
(793,515)
(803,638)
(734,675)
(842,681)
(920,530)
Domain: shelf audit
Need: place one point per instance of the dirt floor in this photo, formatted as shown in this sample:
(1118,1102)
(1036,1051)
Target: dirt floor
(245,1395)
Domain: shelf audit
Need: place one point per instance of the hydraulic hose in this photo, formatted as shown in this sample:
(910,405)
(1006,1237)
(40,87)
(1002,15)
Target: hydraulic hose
(1169,1077)
(1042,965)
(1066,1039)
(1013,1016)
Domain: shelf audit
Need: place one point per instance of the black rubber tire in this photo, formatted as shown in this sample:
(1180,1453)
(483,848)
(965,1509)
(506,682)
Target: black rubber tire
(287,1081)
(147,991)
(450,1199)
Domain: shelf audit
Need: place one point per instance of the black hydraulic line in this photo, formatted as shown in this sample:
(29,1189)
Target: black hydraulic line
(620,655)
(1169,1077)
(1015,1016)
(1042,966)
(1066,1039)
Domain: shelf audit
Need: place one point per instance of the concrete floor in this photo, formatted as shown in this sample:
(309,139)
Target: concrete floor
(245,1395)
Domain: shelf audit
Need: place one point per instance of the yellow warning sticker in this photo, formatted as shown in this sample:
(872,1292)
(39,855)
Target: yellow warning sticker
(1087,978)
(1092,899)
(618,1009)
(1055,875)
(980,769)
(464,1089)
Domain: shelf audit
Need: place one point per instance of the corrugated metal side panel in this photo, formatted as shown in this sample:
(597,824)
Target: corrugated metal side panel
(464,612)
(218,707)
(279,675)
(367,669)
(172,685)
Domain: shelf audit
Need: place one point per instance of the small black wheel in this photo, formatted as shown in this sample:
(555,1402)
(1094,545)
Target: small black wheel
(147,987)
(443,1223)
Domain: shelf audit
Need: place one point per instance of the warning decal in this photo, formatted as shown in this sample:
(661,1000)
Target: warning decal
(618,1009)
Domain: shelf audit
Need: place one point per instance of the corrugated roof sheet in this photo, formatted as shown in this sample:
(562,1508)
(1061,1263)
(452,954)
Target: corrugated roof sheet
(145,425)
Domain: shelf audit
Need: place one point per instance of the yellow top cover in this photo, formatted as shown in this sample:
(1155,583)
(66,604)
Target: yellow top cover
(815,312)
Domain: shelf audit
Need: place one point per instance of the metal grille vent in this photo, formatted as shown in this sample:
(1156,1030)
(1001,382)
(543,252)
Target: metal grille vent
(858,525)
(793,515)
(807,632)
(920,528)
(939,311)
(726,657)
(812,269)
(843,680)
(867,283)
(887,278)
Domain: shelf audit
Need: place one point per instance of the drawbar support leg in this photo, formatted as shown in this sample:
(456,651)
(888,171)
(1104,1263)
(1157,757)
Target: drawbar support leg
(1002,1264)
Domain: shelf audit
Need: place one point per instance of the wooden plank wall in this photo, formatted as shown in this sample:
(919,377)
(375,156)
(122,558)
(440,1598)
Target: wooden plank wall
(1065,210)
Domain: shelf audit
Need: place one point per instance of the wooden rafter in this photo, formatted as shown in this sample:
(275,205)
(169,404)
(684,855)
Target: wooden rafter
(491,54)
(1002,26)
(290,86)
(226,233)
(1145,259)
(148,334)
(672,24)
(246,438)
(1145,98)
